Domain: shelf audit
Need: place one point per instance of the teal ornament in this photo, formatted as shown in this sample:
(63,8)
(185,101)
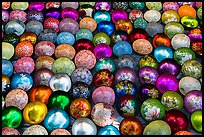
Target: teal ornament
(102,15)
(137,5)
(140,23)
(163,52)
(105,63)
(121,48)
(109,130)
(65,38)
(84,34)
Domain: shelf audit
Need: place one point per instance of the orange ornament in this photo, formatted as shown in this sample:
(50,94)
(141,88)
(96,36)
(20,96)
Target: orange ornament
(29,36)
(161,39)
(183,132)
(124,25)
(6,5)
(187,10)
(65,50)
(24,49)
(40,93)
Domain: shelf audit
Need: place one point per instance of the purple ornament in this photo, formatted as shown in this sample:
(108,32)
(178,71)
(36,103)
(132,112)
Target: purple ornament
(166,82)
(69,25)
(193,4)
(169,65)
(42,77)
(5,16)
(39,6)
(35,15)
(118,14)
(102,50)
(52,14)
(70,13)
(125,73)
(148,75)
(193,100)
(103,6)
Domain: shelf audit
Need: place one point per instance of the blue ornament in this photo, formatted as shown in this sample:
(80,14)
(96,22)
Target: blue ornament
(163,52)
(125,87)
(56,118)
(65,38)
(121,48)
(106,27)
(22,80)
(7,67)
(84,34)
(100,16)
(109,130)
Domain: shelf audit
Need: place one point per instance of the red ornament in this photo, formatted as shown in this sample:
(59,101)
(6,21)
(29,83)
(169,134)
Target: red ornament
(52,23)
(103,78)
(84,44)
(138,34)
(177,120)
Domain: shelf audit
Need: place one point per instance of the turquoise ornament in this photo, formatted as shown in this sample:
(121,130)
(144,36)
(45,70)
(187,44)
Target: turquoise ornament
(163,52)
(102,16)
(65,38)
(109,130)
(84,34)
(121,48)
(105,63)
(137,5)
(140,23)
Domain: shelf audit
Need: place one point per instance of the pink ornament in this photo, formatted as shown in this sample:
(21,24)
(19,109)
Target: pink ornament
(19,15)
(44,48)
(24,64)
(69,25)
(102,50)
(9,131)
(125,73)
(170,6)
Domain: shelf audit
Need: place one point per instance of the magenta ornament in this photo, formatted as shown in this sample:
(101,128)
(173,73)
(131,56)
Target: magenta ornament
(102,50)
(118,14)
(70,13)
(39,6)
(125,73)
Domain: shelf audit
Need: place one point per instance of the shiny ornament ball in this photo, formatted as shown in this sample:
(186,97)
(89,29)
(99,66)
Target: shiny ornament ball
(186,84)
(187,3)
(6,5)
(11,38)
(73,25)
(183,54)
(11,117)
(84,43)
(157,127)
(60,81)
(48,35)
(101,37)
(6,84)
(170,16)
(161,39)
(152,15)
(137,5)
(106,27)
(69,12)
(195,33)
(108,130)
(105,63)
(192,68)
(100,16)
(180,40)
(173,28)
(86,10)
(80,108)
(7,67)
(148,75)
(189,22)
(18,14)
(148,60)
(22,81)
(35,15)
(5,16)
(29,36)
(52,23)
(169,65)
(39,6)
(170,6)
(120,5)
(118,14)
(24,64)
(42,76)
(140,23)
(183,132)
(196,120)
(24,49)
(69,4)
(3,102)
(65,38)
(85,58)
(103,78)
(19,5)
(196,46)
(146,91)
(152,109)
(88,23)
(163,52)
(197,4)
(167,81)
(84,34)
(172,100)
(154,5)
(177,120)
(125,73)
(131,126)
(126,61)
(193,100)
(63,65)
(119,35)
(56,118)
(60,131)
(44,62)
(142,46)
(135,14)
(59,99)
(154,28)
(80,90)
(103,6)
(10,131)
(52,13)
(102,50)
(40,93)
(17,98)
(138,33)
(82,75)
(15,26)
(128,106)
(50,5)
(103,94)
(65,50)
(124,24)
(187,10)
(103,114)
(7,50)
(34,26)
(122,47)
(35,130)
(199,13)
(84,126)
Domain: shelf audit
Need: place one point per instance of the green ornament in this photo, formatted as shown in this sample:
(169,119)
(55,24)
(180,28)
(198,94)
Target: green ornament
(173,28)
(172,100)
(11,38)
(3,102)
(140,23)
(11,117)
(59,99)
(137,5)
(196,120)
(105,63)
(148,60)
(183,54)
(154,5)
(199,13)
(101,37)
(189,22)
(152,109)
